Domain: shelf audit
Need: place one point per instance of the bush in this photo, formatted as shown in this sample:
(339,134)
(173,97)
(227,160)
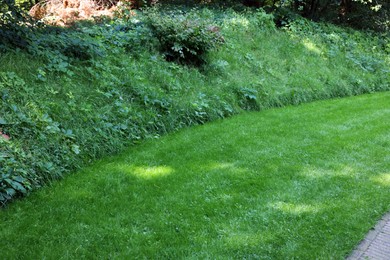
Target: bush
(184,38)
(284,16)
(15,28)
(72,44)
(29,165)
(247,98)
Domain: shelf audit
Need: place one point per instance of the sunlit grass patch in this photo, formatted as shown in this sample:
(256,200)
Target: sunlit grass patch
(295,208)
(382,179)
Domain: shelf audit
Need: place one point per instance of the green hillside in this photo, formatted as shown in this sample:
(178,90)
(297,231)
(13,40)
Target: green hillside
(72,95)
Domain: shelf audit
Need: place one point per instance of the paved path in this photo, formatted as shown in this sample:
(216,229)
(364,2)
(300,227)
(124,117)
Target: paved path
(376,245)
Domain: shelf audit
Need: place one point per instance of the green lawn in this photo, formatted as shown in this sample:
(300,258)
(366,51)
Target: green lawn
(297,182)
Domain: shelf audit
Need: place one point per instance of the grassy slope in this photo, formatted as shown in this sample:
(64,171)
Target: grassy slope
(113,101)
(302,182)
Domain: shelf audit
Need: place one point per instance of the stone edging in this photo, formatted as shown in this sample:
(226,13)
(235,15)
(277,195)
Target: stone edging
(369,239)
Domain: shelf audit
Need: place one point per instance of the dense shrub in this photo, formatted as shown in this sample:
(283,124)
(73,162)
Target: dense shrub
(363,14)
(284,16)
(15,28)
(185,38)
(247,98)
(360,14)
(72,44)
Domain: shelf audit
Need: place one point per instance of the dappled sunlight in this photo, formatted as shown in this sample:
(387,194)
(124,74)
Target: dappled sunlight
(224,167)
(312,172)
(311,46)
(220,166)
(296,209)
(238,21)
(152,171)
(146,172)
(382,179)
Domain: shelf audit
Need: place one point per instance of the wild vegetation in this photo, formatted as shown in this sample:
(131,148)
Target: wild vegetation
(72,95)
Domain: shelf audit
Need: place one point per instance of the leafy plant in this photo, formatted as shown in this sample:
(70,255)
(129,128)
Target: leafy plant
(11,185)
(27,168)
(284,16)
(247,98)
(15,28)
(184,38)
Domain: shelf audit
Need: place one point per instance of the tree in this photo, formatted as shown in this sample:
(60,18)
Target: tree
(362,14)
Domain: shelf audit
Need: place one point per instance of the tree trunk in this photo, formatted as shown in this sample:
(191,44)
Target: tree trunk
(345,7)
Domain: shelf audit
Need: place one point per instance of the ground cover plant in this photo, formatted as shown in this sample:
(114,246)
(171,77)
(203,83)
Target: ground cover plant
(72,95)
(298,182)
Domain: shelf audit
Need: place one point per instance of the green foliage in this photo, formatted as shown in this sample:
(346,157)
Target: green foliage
(61,47)
(26,5)
(355,45)
(361,14)
(284,16)
(24,117)
(15,28)
(74,45)
(75,95)
(247,98)
(15,181)
(11,185)
(184,38)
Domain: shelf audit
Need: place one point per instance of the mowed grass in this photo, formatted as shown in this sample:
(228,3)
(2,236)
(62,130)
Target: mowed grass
(301,182)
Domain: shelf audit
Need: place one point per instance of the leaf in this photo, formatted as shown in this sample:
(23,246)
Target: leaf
(10,191)
(75,149)
(123,127)
(4,197)
(19,187)
(2,121)
(7,180)
(19,179)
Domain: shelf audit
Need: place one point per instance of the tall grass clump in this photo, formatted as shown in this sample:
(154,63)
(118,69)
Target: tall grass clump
(301,62)
(75,94)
